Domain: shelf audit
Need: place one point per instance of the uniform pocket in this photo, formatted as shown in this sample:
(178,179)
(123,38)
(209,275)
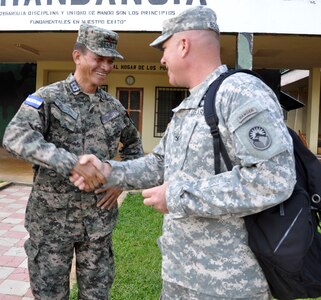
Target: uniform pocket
(113,129)
(53,201)
(31,250)
(113,126)
(256,133)
(64,115)
(108,219)
(184,145)
(51,212)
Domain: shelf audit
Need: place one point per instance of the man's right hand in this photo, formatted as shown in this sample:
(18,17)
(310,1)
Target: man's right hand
(92,176)
(88,183)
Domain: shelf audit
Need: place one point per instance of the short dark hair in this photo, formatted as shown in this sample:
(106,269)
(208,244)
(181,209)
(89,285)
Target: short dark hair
(80,47)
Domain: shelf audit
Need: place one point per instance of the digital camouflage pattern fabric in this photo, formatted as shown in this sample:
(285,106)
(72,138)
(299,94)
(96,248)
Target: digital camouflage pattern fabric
(98,40)
(204,241)
(53,127)
(194,18)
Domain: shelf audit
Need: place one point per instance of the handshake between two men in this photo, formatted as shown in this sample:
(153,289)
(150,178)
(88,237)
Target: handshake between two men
(90,174)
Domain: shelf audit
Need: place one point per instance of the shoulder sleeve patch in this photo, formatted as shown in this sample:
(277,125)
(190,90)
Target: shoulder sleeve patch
(33,101)
(259,137)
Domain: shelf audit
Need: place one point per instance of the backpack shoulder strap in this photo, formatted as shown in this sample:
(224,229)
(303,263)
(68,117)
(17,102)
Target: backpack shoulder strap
(212,119)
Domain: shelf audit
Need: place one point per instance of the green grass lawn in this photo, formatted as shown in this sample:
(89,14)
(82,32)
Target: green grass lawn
(137,256)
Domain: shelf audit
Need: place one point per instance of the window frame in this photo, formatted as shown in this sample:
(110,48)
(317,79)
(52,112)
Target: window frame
(169,103)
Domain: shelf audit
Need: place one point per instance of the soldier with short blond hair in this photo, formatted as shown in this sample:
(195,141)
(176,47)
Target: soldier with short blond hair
(204,246)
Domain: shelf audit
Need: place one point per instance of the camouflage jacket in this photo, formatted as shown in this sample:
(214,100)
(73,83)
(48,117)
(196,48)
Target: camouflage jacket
(204,241)
(51,129)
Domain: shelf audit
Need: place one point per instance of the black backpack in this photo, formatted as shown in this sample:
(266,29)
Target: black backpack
(284,238)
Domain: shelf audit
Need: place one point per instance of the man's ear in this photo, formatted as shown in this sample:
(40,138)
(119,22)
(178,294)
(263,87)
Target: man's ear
(76,56)
(185,46)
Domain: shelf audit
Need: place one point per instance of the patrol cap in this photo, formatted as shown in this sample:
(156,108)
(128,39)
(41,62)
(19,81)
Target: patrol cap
(194,18)
(101,41)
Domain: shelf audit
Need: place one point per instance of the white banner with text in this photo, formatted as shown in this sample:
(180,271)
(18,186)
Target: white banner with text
(257,16)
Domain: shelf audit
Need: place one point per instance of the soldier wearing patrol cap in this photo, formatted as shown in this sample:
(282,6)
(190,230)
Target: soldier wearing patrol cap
(98,40)
(204,242)
(53,128)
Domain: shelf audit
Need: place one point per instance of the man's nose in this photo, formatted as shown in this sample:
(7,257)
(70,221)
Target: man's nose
(162,61)
(106,65)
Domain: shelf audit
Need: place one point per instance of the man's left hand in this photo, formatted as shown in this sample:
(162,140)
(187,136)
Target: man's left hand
(156,197)
(109,198)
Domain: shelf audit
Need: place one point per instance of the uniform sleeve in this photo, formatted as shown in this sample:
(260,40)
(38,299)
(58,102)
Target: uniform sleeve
(240,192)
(131,142)
(261,150)
(24,137)
(141,173)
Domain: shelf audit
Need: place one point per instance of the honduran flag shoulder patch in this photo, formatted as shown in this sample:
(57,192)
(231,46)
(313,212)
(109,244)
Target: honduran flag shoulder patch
(33,101)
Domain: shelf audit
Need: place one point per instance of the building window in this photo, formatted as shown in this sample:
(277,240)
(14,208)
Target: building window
(132,100)
(167,98)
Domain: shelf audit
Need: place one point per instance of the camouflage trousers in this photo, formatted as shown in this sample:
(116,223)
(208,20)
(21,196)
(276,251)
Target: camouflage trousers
(172,291)
(50,263)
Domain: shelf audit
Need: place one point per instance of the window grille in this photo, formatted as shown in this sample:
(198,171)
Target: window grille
(166,99)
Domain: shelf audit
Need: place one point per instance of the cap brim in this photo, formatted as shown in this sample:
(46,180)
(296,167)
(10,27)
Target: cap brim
(160,40)
(107,53)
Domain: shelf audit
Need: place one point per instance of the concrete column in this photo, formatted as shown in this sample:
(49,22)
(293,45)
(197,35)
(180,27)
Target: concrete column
(244,49)
(313,109)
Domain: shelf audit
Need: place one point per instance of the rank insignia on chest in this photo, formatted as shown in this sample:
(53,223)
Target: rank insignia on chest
(198,112)
(74,86)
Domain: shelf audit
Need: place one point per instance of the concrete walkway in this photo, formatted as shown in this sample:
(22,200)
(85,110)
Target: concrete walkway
(14,279)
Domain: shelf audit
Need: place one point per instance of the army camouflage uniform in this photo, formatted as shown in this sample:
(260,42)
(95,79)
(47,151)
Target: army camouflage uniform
(204,241)
(53,127)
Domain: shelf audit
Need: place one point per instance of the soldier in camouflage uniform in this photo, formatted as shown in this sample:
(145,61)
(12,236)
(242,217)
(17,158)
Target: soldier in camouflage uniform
(52,129)
(205,254)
